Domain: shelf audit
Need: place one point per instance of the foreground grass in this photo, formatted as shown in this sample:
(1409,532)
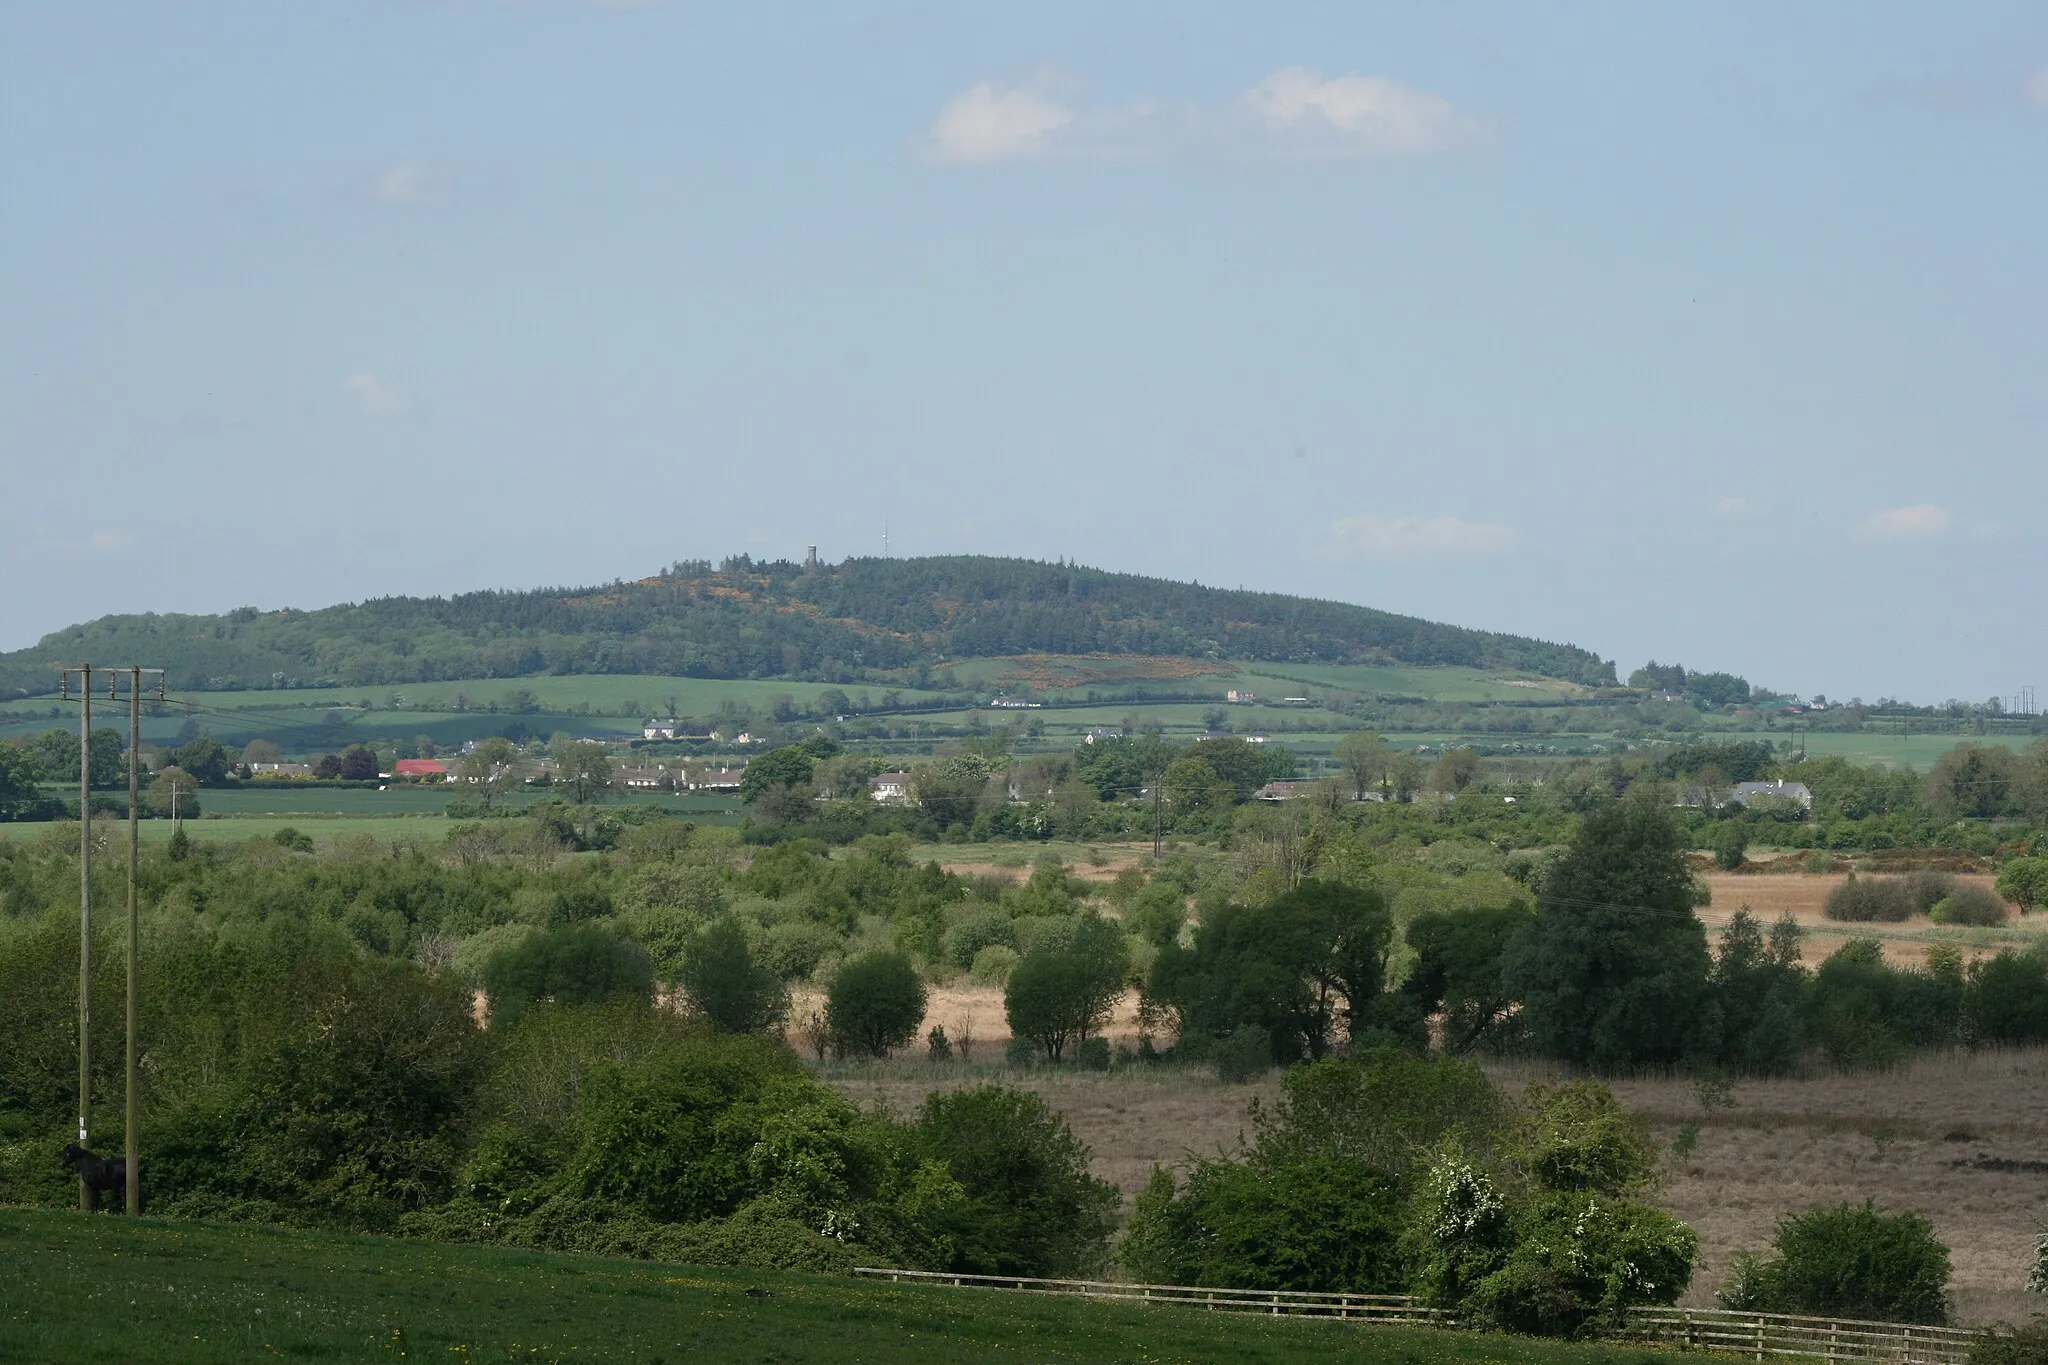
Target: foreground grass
(84,1288)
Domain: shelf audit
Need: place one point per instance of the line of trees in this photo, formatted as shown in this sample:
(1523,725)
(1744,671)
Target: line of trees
(1602,963)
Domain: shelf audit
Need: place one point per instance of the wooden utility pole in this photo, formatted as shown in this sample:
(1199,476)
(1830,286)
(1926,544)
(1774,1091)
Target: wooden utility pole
(132,1103)
(132,1109)
(1158,816)
(84,922)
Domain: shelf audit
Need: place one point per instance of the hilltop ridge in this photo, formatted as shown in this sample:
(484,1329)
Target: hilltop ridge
(855,620)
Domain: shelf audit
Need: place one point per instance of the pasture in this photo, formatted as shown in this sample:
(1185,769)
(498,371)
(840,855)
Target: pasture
(632,695)
(325,830)
(314,798)
(1884,750)
(104,1289)
(1074,677)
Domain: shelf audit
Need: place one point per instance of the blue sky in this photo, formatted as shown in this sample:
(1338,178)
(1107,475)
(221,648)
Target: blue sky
(1709,332)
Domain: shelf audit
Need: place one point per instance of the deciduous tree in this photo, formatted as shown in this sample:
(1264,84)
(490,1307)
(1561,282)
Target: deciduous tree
(1061,992)
(1613,971)
(584,766)
(487,769)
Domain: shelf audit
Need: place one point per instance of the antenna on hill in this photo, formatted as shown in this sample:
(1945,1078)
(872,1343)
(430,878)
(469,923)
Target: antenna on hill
(885,537)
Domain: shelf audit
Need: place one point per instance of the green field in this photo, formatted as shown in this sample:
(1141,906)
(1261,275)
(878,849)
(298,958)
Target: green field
(637,694)
(312,799)
(99,1288)
(309,798)
(307,721)
(1274,681)
(1434,684)
(310,720)
(326,826)
(323,829)
(1892,751)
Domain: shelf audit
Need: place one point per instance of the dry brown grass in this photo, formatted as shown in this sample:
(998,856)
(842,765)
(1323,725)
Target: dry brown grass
(1959,1138)
(1804,895)
(1132,1118)
(1913,1139)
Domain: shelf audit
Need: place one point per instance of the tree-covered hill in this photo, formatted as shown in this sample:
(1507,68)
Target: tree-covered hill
(834,622)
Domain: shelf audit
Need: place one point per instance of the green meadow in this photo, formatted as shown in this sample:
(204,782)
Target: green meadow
(1274,681)
(1892,751)
(84,1288)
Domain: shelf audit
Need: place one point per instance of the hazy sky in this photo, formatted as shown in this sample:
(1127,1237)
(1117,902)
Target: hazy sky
(1712,332)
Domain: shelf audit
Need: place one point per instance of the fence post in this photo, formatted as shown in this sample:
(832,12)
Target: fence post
(1759,1336)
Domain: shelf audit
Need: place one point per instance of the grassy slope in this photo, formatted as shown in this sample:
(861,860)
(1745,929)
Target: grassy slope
(607,691)
(80,1289)
(701,696)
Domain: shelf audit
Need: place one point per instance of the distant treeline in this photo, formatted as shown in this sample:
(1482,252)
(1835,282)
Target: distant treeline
(861,619)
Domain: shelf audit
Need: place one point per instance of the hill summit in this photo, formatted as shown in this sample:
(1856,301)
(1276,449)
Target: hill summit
(857,619)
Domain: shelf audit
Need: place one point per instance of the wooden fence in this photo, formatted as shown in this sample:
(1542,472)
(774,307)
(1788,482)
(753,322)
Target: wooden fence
(1278,1302)
(1758,1336)
(1761,1335)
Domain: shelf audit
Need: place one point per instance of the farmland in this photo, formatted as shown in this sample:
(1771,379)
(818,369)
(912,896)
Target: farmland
(1916,751)
(630,695)
(85,1289)
(1802,896)
(1504,712)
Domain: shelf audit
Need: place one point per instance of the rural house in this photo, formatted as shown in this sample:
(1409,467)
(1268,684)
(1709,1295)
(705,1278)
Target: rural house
(892,789)
(1778,789)
(1286,791)
(661,729)
(422,768)
(716,780)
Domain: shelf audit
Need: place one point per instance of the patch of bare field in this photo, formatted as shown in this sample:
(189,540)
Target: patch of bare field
(1960,1138)
(1803,895)
(1097,861)
(1132,1118)
(975,1014)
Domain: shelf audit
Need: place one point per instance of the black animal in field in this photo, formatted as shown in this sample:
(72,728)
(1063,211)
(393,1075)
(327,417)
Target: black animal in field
(100,1174)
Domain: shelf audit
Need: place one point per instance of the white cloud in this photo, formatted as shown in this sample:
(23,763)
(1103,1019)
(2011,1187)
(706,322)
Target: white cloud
(1734,509)
(1418,537)
(2037,88)
(376,397)
(109,540)
(1293,114)
(1922,521)
(986,124)
(1358,115)
(410,183)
